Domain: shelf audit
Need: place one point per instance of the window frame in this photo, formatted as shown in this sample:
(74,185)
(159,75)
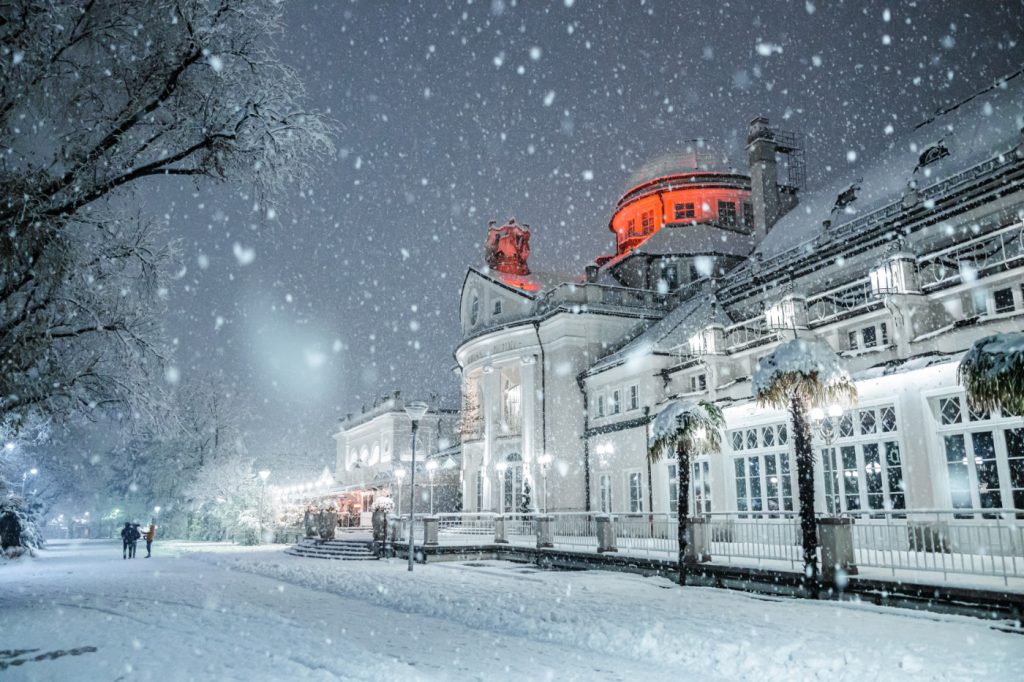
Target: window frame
(999,426)
(636,502)
(634,397)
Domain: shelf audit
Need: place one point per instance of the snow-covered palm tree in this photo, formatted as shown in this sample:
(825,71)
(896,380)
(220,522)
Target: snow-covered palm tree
(796,376)
(992,373)
(688,428)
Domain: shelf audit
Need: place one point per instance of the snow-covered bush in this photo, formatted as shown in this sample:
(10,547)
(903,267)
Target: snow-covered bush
(384,504)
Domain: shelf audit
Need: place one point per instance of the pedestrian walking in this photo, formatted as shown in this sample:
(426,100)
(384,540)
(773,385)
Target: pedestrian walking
(149,535)
(126,538)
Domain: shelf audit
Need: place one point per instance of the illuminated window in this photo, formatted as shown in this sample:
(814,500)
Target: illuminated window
(673,488)
(636,492)
(700,487)
(727,213)
(685,211)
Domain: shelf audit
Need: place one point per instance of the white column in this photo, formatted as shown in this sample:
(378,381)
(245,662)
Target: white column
(490,398)
(527,374)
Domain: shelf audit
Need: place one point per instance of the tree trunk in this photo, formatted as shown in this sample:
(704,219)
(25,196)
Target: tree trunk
(805,486)
(682,502)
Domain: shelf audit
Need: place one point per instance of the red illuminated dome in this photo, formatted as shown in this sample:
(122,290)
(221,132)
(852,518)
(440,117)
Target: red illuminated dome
(679,191)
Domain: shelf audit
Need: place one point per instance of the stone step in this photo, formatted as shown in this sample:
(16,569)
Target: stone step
(343,550)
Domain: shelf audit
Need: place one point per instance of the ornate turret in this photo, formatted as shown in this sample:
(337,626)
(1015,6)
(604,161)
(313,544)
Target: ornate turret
(508,248)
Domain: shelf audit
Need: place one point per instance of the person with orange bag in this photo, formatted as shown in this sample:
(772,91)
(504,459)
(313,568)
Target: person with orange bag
(149,535)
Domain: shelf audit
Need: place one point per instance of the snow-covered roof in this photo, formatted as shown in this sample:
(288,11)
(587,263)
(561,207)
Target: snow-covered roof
(701,155)
(955,138)
(676,328)
(697,239)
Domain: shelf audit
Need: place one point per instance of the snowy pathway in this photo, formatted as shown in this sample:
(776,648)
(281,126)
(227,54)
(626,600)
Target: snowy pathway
(198,611)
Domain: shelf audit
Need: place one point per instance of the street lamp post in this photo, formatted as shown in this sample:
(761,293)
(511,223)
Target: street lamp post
(264,475)
(24,479)
(399,477)
(545,462)
(431,469)
(415,410)
(501,468)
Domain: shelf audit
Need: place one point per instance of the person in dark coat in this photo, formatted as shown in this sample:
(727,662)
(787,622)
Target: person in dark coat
(130,536)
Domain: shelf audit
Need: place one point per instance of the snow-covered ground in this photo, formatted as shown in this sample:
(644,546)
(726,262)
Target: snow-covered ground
(203,611)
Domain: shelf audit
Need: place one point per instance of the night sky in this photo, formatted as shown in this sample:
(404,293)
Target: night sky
(453,114)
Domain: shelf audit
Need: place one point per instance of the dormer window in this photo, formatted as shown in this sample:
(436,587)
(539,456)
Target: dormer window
(847,196)
(931,154)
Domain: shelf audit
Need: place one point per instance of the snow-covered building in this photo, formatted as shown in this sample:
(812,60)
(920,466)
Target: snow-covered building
(898,264)
(374,458)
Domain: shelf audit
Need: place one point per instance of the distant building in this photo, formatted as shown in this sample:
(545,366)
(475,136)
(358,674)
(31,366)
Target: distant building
(376,443)
(899,264)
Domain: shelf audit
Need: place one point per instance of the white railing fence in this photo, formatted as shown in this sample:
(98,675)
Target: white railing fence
(968,542)
(949,542)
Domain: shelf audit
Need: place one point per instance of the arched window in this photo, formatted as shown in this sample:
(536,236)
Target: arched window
(375,457)
(364,455)
(474,310)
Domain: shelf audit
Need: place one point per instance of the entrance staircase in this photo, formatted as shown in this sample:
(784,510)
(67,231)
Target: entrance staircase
(341,550)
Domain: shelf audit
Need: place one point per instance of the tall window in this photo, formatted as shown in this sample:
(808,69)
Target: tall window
(634,397)
(474,310)
(636,492)
(497,308)
(673,488)
(616,401)
(748,214)
(984,455)
(606,493)
(864,469)
(763,477)
(700,487)
(727,213)
(600,406)
(512,400)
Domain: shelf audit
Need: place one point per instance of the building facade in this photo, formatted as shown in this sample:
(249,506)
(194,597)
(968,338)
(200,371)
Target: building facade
(374,460)
(899,264)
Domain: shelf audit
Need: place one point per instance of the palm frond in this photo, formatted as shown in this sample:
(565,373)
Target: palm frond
(992,373)
(695,425)
(804,368)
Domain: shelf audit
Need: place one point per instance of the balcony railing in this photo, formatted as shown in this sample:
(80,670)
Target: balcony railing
(978,257)
(840,302)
